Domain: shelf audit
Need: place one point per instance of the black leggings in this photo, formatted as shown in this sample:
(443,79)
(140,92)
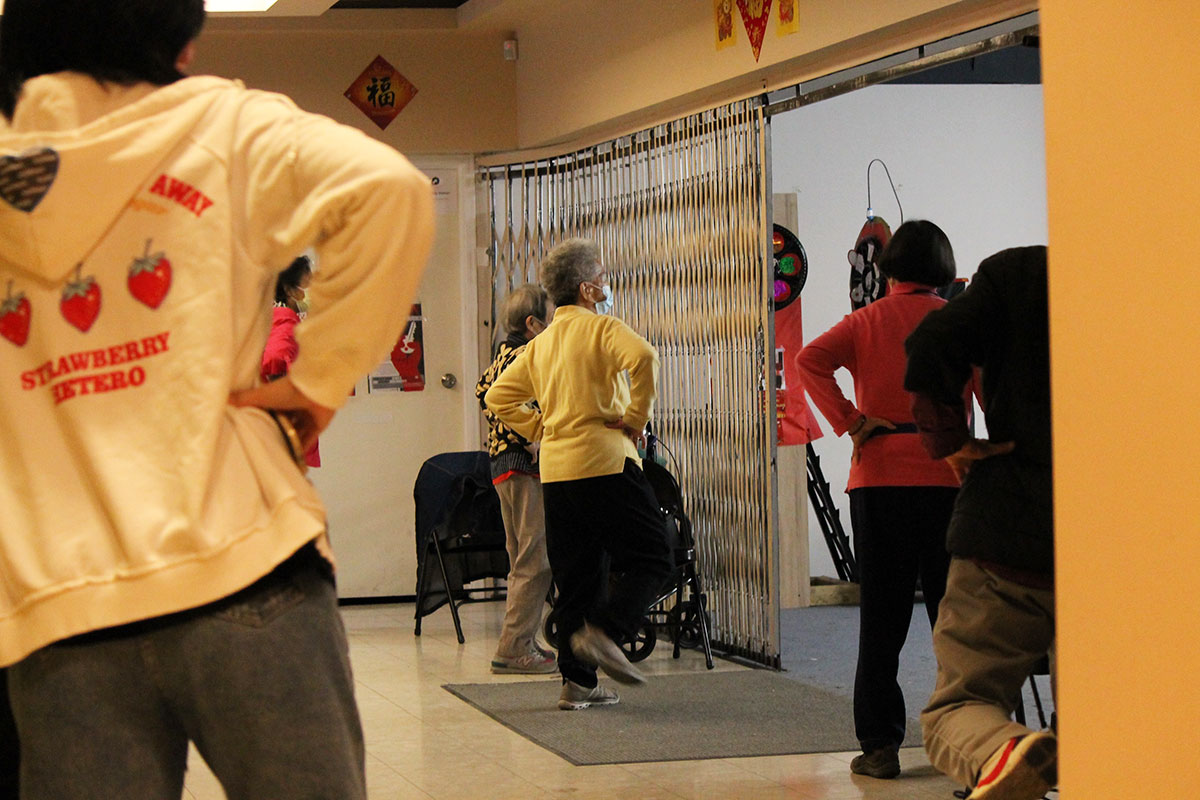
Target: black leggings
(899,535)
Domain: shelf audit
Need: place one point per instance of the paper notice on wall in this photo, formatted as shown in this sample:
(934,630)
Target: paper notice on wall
(404,369)
(445,197)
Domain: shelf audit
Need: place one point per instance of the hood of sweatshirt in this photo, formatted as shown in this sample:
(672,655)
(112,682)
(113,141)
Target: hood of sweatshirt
(71,136)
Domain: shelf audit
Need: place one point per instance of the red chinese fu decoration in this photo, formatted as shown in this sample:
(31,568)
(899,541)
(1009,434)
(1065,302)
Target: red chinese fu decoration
(381,92)
(789,22)
(755,14)
(723,18)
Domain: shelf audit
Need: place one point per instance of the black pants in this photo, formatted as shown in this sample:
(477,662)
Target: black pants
(8,745)
(899,535)
(594,526)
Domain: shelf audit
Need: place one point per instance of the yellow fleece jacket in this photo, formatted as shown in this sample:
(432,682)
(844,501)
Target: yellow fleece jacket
(576,371)
(141,232)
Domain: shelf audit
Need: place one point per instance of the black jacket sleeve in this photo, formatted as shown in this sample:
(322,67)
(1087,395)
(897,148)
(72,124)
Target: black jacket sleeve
(942,352)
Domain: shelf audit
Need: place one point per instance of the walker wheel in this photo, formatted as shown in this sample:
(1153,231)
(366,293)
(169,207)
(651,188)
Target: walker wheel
(642,643)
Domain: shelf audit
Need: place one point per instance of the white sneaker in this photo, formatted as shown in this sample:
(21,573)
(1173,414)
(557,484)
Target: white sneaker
(575,697)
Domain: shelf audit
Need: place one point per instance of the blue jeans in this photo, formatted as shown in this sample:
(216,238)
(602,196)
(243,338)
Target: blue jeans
(260,681)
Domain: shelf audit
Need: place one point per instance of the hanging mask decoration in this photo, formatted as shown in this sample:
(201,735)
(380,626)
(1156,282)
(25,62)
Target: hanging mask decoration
(605,306)
(791,267)
(866,283)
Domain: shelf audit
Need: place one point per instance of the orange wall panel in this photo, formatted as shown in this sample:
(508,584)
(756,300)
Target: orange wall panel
(1123,156)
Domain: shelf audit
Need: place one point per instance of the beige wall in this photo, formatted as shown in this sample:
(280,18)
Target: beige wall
(586,68)
(590,63)
(1122,155)
(466,101)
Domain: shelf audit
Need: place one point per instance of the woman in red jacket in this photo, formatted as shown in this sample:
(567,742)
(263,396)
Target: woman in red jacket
(900,499)
(281,347)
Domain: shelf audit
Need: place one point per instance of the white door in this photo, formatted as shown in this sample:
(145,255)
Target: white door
(372,452)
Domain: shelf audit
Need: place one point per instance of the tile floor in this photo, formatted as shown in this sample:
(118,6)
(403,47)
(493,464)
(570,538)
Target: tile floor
(423,743)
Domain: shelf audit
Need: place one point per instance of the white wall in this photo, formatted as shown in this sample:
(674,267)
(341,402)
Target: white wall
(969,158)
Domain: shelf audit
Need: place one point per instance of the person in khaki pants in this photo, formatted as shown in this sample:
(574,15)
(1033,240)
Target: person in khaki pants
(996,620)
(526,313)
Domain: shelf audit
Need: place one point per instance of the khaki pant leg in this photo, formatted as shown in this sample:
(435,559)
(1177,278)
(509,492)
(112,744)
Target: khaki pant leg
(529,568)
(990,634)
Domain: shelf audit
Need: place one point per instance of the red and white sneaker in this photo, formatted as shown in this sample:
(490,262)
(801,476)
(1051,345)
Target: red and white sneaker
(1023,768)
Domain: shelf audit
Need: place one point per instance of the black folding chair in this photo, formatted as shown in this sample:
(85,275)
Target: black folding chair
(459,533)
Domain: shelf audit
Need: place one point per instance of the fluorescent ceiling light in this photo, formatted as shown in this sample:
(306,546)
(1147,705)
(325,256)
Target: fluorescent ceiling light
(222,6)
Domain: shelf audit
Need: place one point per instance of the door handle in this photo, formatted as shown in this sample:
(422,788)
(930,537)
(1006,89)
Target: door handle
(449,381)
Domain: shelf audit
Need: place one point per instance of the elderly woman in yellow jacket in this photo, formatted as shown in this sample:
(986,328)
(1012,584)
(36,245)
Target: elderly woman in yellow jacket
(593,379)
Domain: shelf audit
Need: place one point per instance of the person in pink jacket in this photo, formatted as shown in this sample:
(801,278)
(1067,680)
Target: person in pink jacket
(900,499)
(281,349)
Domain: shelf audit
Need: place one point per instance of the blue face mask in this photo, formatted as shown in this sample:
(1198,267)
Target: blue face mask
(605,306)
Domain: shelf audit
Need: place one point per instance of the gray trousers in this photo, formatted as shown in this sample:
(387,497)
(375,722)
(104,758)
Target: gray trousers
(529,568)
(990,634)
(260,682)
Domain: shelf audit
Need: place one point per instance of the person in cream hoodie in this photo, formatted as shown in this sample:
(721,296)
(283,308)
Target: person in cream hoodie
(163,570)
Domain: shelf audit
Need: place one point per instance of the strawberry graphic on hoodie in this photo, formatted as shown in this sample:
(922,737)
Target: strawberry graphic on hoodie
(150,277)
(80,302)
(14,317)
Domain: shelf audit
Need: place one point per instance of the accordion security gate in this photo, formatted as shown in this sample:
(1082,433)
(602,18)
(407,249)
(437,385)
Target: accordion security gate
(680,212)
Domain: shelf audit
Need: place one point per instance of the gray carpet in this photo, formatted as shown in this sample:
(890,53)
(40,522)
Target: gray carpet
(820,648)
(678,717)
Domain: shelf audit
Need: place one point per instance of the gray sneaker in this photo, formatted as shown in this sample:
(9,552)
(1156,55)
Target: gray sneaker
(532,663)
(593,646)
(575,697)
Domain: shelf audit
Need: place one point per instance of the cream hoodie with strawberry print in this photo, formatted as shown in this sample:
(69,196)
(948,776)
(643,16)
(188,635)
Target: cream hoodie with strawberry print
(141,231)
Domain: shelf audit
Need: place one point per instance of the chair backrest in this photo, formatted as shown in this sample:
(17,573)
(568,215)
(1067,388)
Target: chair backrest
(435,486)
(473,514)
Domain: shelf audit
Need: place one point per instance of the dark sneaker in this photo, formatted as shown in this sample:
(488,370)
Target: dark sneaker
(1024,768)
(881,763)
(593,646)
(574,697)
